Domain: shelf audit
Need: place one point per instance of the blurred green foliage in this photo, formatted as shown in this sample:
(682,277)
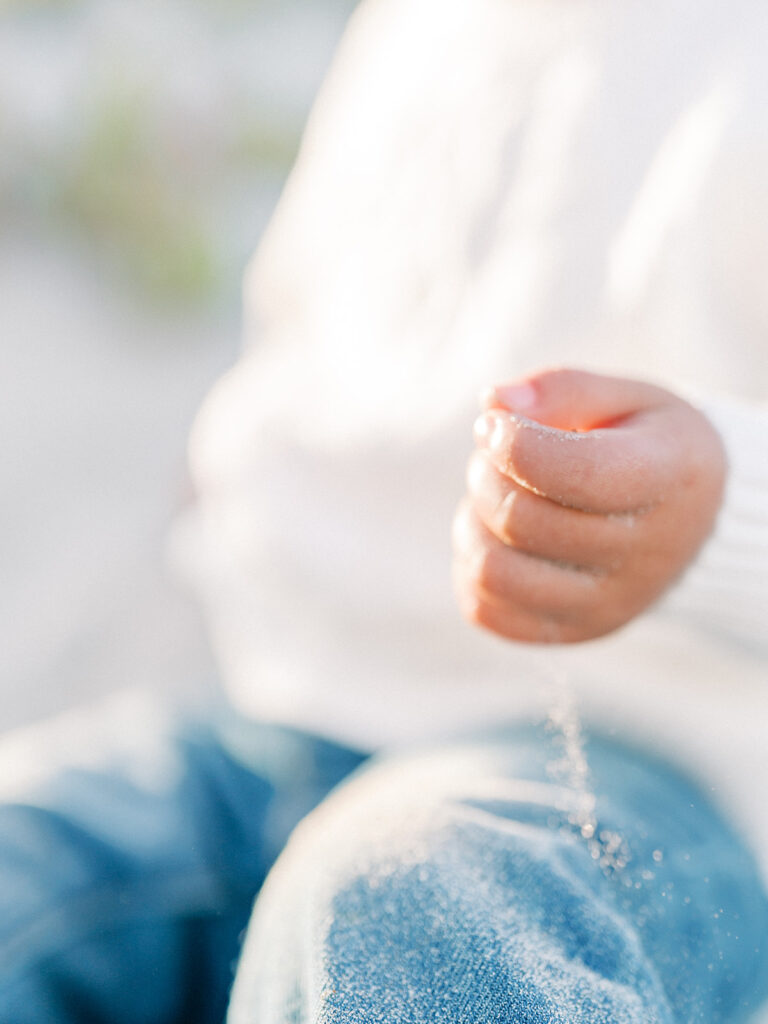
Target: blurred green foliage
(161,169)
(124,188)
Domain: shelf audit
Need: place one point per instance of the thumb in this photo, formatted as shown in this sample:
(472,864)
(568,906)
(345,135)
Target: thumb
(575,399)
(603,446)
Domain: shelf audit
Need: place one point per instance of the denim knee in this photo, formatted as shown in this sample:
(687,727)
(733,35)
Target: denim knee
(453,886)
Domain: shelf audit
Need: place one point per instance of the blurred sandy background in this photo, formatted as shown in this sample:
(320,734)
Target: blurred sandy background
(143,144)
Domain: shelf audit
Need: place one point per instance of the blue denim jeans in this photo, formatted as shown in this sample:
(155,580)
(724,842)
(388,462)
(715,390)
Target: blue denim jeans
(130,855)
(470,884)
(459,885)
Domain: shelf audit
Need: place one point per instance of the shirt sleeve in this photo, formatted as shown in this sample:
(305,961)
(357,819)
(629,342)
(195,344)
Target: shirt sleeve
(726,588)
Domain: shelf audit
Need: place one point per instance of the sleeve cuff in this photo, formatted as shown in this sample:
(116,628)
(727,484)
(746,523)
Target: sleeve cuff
(726,587)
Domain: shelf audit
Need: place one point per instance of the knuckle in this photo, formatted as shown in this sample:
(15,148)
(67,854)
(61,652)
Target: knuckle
(500,503)
(477,473)
(521,459)
(512,519)
(483,566)
(474,549)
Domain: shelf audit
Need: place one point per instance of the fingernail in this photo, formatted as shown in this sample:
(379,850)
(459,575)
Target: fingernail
(514,397)
(483,428)
(492,431)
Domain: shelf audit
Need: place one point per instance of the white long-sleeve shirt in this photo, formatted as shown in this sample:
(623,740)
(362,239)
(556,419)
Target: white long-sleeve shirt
(487,187)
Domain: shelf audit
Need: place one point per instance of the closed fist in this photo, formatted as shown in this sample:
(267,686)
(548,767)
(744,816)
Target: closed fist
(587,496)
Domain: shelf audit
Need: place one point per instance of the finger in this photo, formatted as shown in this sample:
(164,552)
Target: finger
(577,400)
(613,470)
(513,623)
(506,575)
(540,527)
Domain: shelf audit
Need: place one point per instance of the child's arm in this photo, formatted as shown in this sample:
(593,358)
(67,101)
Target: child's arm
(587,497)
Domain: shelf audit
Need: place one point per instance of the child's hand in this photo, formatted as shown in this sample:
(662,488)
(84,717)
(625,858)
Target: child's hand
(587,497)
